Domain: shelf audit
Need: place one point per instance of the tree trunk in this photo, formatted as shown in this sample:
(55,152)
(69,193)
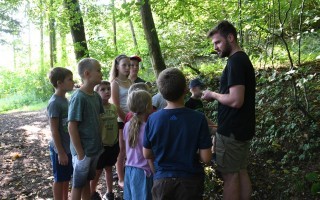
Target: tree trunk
(151,37)
(240,23)
(114,26)
(41,38)
(133,34)
(63,49)
(52,33)
(14,55)
(29,39)
(77,29)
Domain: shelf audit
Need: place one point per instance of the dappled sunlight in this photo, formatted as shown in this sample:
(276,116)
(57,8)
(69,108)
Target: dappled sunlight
(24,156)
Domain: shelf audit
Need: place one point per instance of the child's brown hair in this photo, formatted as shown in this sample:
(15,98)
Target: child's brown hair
(114,72)
(138,86)
(171,84)
(58,74)
(97,87)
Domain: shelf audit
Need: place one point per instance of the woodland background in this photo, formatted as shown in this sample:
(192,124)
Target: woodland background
(280,36)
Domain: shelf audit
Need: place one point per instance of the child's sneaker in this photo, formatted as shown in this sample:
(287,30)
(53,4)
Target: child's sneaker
(95,196)
(108,196)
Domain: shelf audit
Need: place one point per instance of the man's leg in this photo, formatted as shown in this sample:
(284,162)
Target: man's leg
(231,186)
(245,185)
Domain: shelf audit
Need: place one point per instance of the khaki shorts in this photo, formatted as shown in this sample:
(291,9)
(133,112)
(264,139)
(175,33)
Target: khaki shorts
(232,155)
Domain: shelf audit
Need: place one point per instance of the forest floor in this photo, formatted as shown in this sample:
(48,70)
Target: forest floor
(25,166)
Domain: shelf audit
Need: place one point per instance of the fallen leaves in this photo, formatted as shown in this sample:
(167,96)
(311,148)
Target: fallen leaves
(15,155)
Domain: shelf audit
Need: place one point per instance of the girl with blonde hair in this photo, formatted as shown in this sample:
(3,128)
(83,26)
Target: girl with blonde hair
(138,177)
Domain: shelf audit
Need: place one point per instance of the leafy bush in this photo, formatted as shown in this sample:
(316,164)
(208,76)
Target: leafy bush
(23,88)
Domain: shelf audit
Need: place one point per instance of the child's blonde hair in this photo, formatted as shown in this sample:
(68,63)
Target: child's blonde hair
(114,72)
(139,101)
(86,64)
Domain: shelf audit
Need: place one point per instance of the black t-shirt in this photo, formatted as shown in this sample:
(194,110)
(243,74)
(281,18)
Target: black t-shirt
(139,80)
(240,122)
(194,104)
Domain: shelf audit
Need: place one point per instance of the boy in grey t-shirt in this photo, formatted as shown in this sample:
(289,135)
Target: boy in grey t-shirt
(84,112)
(62,80)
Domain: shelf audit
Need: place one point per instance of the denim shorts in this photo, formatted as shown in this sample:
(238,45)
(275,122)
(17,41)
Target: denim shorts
(83,170)
(61,173)
(136,184)
(232,155)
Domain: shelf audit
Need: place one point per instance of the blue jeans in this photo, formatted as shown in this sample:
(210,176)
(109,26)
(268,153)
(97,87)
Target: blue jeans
(136,184)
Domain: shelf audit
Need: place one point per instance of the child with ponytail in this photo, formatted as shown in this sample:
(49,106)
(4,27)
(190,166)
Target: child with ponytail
(138,177)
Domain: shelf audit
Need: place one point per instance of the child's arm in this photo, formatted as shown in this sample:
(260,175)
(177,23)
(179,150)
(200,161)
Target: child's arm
(212,126)
(151,165)
(116,99)
(148,154)
(54,127)
(75,139)
(205,155)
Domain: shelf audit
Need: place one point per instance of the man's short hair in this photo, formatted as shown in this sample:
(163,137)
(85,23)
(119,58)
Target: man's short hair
(224,28)
(58,74)
(171,84)
(86,64)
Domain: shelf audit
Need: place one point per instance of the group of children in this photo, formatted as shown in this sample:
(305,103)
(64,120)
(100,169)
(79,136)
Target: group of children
(162,151)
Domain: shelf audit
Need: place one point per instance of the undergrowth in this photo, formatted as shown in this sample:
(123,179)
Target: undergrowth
(285,159)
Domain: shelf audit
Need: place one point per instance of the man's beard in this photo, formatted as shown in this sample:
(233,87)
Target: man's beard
(227,51)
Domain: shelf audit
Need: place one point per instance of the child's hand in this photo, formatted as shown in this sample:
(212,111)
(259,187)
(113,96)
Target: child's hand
(81,157)
(63,158)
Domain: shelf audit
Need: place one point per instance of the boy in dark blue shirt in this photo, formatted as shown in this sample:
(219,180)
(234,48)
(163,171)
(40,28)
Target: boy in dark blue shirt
(177,139)
(62,81)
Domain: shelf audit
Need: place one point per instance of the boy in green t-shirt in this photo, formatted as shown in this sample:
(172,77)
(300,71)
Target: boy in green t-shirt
(84,128)
(110,142)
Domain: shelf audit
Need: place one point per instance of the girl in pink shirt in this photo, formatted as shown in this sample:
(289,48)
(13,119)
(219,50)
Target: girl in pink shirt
(138,177)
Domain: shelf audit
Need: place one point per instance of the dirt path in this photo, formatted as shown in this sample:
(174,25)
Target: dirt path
(25,169)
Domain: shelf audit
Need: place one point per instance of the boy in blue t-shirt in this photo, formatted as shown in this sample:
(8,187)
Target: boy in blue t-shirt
(177,139)
(84,127)
(62,81)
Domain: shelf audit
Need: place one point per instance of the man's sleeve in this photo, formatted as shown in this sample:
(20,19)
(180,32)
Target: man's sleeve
(236,73)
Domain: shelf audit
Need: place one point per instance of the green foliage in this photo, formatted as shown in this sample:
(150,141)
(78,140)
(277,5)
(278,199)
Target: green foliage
(283,133)
(9,24)
(314,179)
(212,183)
(23,88)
